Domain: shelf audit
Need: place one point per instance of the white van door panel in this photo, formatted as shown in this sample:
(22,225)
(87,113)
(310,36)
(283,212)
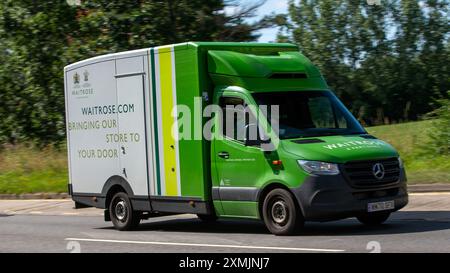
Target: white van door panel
(131,137)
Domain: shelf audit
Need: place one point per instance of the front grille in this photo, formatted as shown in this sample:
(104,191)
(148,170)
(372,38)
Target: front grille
(359,174)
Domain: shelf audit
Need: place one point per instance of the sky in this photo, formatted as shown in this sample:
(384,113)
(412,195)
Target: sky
(277,6)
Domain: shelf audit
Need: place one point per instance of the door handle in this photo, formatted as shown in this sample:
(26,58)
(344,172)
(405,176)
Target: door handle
(225,155)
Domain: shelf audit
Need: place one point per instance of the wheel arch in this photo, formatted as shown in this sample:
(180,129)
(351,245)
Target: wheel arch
(113,185)
(271,186)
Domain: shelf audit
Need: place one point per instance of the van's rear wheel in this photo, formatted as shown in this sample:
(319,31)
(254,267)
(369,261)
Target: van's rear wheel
(374,218)
(280,213)
(122,214)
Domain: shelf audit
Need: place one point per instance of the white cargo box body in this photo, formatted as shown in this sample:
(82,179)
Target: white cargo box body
(119,118)
(107,124)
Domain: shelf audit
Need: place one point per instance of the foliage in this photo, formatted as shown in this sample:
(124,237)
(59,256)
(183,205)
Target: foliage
(31,169)
(38,38)
(386,62)
(33,40)
(439,132)
(422,165)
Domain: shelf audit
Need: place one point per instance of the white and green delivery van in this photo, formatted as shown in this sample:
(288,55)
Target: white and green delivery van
(137,146)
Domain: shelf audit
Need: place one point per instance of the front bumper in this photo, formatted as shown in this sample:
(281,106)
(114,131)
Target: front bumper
(326,198)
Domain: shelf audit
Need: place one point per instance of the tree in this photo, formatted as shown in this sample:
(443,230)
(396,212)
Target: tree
(33,39)
(107,26)
(38,38)
(435,54)
(387,62)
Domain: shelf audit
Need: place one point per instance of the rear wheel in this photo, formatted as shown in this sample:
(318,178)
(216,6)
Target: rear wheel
(122,214)
(280,213)
(374,218)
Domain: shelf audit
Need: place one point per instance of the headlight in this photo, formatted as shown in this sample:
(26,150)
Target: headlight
(400,162)
(318,167)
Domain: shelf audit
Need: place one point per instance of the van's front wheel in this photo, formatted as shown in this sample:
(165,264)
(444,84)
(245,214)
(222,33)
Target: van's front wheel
(280,213)
(122,214)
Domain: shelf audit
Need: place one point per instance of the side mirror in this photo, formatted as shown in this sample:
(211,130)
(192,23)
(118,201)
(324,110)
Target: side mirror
(254,136)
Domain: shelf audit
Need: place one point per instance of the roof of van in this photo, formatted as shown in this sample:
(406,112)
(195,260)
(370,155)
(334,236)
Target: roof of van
(227,62)
(106,57)
(243,47)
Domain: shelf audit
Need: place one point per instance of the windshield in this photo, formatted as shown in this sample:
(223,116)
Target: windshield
(309,113)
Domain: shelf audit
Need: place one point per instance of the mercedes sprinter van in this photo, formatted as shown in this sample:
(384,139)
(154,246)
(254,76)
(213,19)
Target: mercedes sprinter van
(180,129)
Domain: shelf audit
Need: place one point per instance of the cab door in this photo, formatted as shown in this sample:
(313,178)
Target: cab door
(239,167)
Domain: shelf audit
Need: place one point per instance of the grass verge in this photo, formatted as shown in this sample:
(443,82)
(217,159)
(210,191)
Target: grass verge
(27,169)
(409,138)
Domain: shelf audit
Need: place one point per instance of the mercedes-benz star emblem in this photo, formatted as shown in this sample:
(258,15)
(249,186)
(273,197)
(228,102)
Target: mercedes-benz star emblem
(378,170)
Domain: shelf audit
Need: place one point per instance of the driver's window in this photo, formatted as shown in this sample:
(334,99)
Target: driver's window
(234,118)
(323,115)
(321,112)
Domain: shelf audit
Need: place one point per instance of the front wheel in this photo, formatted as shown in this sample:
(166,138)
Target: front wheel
(374,218)
(280,213)
(122,214)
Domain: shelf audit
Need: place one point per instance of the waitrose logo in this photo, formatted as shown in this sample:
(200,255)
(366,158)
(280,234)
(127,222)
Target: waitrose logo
(355,144)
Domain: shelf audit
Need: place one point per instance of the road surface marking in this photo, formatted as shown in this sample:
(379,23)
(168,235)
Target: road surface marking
(428,193)
(205,245)
(36,212)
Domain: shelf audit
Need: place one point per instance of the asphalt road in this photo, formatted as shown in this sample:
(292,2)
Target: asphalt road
(52,226)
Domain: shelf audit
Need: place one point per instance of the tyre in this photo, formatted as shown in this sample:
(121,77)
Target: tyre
(373,219)
(207,218)
(122,214)
(280,213)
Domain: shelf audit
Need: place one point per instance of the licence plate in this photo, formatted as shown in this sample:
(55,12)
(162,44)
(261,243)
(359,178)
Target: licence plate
(379,206)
